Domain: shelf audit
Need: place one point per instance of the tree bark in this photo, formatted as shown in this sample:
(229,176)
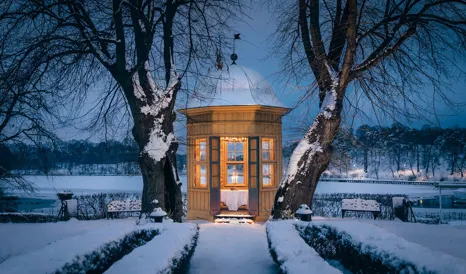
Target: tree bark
(153,132)
(309,160)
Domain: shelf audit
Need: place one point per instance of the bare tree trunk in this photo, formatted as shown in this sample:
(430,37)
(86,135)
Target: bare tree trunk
(308,161)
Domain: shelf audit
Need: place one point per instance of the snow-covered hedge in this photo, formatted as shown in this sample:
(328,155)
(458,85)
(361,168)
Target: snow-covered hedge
(291,253)
(94,206)
(329,205)
(167,253)
(56,255)
(27,218)
(366,248)
(102,258)
(434,216)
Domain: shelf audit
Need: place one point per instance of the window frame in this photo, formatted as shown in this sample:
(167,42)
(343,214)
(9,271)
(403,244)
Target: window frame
(271,161)
(197,161)
(235,162)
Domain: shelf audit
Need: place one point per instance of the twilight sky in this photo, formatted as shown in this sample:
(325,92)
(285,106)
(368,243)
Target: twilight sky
(254,52)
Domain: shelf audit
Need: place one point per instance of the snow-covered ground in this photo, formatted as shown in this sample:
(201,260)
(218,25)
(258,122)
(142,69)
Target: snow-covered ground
(449,239)
(47,256)
(232,248)
(49,186)
(45,248)
(378,239)
(18,239)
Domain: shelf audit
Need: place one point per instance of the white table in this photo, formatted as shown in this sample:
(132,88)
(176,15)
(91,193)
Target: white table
(234,198)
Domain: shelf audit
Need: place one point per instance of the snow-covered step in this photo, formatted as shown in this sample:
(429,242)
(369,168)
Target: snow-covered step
(246,216)
(234,221)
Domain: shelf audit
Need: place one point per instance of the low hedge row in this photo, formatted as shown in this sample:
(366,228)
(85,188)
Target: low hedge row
(27,218)
(329,205)
(98,261)
(181,264)
(337,245)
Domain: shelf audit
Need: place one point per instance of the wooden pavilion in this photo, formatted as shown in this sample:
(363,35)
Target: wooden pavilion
(234,137)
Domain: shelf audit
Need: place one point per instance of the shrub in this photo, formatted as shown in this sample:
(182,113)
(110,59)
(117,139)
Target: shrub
(94,206)
(329,205)
(27,218)
(335,245)
(98,261)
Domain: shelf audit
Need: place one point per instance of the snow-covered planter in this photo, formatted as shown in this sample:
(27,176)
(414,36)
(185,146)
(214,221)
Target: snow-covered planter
(168,252)
(101,259)
(27,218)
(290,251)
(366,248)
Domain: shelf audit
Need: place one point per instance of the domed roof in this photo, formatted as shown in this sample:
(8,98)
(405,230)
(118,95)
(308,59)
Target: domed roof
(234,86)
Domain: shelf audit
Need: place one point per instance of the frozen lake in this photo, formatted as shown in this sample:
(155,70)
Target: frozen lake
(49,186)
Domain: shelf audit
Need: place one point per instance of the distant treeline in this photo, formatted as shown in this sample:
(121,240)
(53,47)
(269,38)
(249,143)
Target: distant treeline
(70,154)
(373,148)
(399,148)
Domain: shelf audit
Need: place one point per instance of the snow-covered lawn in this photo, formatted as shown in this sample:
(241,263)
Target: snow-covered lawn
(444,238)
(49,258)
(48,247)
(433,248)
(49,186)
(232,248)
(17,239)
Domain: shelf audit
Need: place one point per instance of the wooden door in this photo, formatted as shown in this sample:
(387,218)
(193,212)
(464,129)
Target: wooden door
(253,176)
(214,175)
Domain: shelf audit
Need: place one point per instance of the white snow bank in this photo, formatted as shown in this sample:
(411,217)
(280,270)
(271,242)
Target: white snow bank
(294,255)
(378,241)
(449,239)
(20,238)
(55,255)
(157,256)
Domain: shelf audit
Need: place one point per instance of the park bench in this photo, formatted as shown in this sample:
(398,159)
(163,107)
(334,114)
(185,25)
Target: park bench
(360,205)
(123,206)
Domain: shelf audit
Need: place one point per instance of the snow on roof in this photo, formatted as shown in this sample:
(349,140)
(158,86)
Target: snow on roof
(234,86)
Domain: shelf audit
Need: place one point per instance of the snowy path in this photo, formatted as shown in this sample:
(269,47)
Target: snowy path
(232,248)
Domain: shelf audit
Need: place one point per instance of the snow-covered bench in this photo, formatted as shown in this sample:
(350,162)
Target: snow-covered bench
(123,206)
(360,205)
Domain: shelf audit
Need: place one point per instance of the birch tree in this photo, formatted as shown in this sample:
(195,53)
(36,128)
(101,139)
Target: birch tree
(390,50)
(142,48)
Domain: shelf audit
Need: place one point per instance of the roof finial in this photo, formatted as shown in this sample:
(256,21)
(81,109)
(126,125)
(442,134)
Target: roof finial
(234,57)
